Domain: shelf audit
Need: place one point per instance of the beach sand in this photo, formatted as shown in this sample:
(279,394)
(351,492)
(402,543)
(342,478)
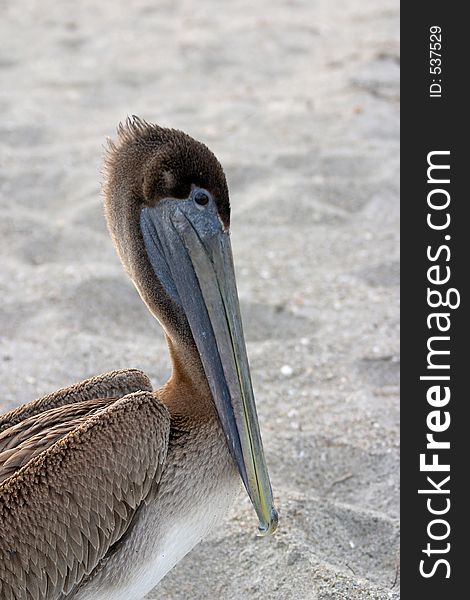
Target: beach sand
(299,101)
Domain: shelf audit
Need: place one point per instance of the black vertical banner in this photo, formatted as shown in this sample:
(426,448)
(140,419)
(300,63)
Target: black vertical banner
(435,310)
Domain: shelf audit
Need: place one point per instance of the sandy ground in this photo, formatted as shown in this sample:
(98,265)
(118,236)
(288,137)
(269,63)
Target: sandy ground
(299,100)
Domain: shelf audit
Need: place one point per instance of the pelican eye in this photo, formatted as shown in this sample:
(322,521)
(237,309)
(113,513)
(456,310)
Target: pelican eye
(201,197)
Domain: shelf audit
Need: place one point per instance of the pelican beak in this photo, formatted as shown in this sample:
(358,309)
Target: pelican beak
(190,251)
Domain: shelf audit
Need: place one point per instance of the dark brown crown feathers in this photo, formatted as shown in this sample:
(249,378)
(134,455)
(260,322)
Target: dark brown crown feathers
(155,163)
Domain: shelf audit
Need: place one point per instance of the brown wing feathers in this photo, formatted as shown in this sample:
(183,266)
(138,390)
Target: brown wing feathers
(22,442)
(115,383)
(75,485)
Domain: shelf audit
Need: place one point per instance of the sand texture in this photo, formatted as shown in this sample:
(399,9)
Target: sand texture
(299,101)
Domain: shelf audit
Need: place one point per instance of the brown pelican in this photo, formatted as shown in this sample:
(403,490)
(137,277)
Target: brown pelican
(106,485)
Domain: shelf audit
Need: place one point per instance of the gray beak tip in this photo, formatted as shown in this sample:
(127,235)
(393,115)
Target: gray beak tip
(269,528)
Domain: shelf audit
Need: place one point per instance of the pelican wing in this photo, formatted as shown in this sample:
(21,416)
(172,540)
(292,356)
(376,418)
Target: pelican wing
(113,384)
(22,442)
(64,506)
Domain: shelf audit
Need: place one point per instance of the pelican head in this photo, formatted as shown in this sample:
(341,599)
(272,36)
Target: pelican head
(168,212)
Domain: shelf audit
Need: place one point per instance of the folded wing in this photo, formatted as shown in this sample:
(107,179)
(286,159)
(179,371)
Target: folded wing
(73,477)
